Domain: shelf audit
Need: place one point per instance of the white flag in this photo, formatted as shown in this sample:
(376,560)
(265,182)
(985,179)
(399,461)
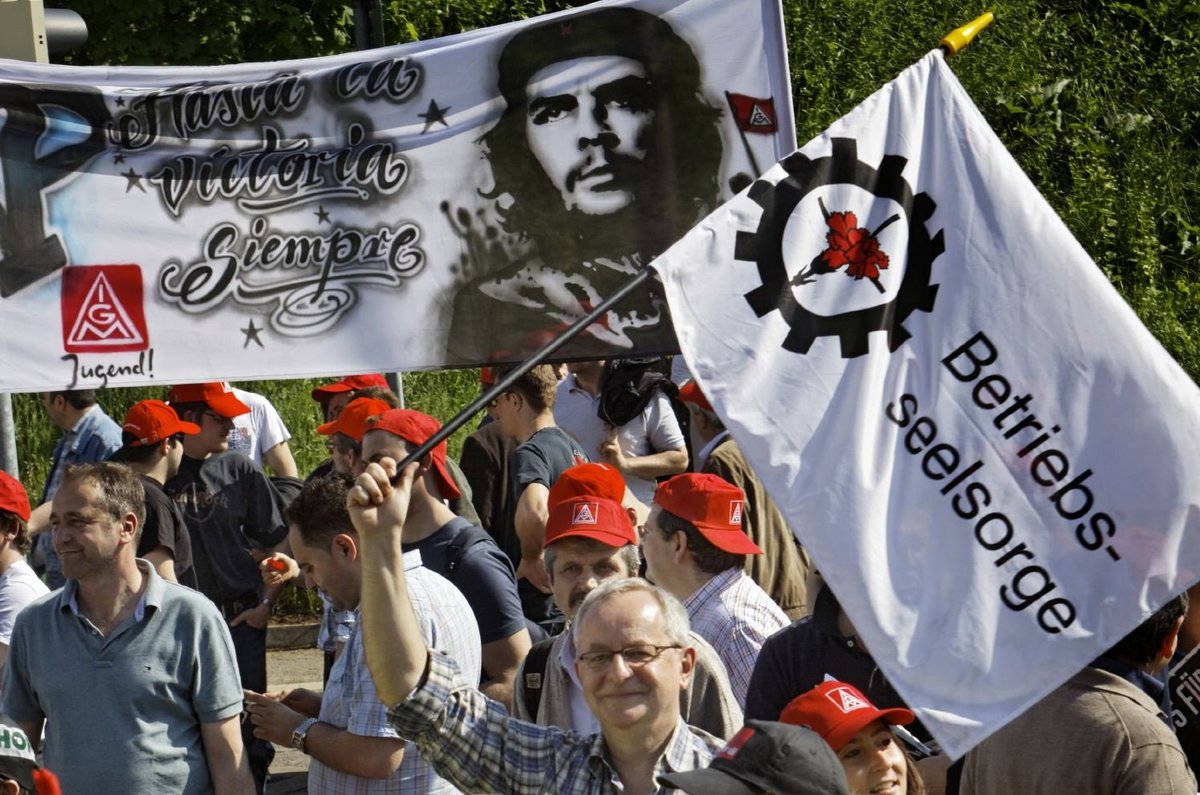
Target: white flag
(991,460)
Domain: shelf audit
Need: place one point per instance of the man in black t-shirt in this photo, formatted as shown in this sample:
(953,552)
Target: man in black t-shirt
(152,446)
(232,512)
(544,451)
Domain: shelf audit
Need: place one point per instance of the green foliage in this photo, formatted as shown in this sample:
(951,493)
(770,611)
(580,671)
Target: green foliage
(242,31)
(1098,102)
(211,32)
(296,600)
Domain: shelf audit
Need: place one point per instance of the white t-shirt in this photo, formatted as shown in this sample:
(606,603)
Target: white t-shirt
(260,430)
(653,431)
(18,587)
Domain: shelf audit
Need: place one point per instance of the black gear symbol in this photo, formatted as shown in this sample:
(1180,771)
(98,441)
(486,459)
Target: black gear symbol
(765,248)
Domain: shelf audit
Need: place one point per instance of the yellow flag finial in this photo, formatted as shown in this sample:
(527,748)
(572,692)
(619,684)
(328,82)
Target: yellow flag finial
(958,38)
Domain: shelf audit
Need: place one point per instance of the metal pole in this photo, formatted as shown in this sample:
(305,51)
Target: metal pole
(8,437)
(537,358)
(368,24)
(396,384)
(368,34)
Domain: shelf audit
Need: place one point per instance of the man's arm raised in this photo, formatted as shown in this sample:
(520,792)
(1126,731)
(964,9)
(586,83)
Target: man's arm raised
(396,653)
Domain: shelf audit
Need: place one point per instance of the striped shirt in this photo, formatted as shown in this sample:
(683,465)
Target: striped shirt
(473,742)
(351,703)
(735,615)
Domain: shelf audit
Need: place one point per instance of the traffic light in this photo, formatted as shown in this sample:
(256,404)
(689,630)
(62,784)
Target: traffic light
(30,32)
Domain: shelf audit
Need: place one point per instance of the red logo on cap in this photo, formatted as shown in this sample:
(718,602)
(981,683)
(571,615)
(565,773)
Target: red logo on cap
(586,513)
(735,512)
(735,743)
(102,309)
(844,699)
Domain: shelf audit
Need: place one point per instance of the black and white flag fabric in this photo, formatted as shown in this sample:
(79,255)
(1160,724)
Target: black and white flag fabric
(443,203)
(991,460)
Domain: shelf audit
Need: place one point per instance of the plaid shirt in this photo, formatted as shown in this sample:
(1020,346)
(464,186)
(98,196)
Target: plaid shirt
(351,703)
(473,742)
(732,613)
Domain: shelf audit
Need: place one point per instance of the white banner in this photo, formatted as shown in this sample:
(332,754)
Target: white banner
(990,458)
(449,202)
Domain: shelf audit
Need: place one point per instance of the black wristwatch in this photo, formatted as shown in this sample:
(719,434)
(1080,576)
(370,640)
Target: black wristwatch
(301,732)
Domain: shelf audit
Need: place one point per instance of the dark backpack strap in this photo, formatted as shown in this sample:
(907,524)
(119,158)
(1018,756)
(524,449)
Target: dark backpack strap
(467,536)
(683,417)
(534,673)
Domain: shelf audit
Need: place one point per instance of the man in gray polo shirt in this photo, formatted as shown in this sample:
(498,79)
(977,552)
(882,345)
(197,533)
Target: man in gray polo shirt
(133,678)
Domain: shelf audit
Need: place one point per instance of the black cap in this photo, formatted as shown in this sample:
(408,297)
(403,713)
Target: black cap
(766,756)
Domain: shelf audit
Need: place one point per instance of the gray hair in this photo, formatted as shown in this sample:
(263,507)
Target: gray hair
(674,616)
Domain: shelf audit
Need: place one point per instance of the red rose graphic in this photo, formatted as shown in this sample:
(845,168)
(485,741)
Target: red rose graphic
(850,245)
(853,246)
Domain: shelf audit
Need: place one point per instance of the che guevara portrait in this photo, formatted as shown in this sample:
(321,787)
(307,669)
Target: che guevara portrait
(606,152)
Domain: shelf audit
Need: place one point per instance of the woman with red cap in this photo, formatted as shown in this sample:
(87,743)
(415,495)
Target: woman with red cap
(861,736)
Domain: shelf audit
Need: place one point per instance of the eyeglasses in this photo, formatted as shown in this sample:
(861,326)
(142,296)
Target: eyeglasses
(215,416)
(496,400)
(634,656)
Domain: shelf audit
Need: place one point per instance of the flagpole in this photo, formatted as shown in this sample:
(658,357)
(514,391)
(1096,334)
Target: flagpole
(958,38)
(742,133)
(502,385)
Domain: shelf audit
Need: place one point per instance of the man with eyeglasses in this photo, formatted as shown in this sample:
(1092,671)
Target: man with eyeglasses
(633,661)
(590,540)
(232,512)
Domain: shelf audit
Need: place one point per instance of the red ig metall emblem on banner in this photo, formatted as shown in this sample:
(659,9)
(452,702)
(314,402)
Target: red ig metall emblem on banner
(102,310)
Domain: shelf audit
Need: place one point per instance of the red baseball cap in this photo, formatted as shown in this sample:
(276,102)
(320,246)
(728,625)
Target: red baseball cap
(590,517)
(838,711)
(713,505)
(151,421)
(690,393)
(415,427)
(13,497)
(218,395)
(351,383)
(587,480)
(352,421)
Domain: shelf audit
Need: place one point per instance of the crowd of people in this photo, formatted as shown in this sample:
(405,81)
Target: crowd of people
(598,596)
